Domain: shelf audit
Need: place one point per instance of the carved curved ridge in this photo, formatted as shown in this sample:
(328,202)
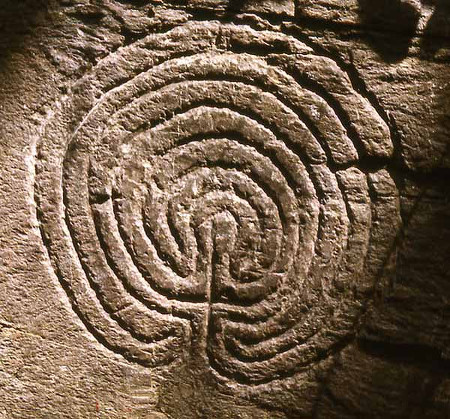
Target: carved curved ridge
(196,197)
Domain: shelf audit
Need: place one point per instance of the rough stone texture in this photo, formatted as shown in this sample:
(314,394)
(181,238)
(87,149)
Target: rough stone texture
(224,209)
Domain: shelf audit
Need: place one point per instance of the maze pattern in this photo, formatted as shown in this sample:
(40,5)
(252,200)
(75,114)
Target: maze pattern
(199,193)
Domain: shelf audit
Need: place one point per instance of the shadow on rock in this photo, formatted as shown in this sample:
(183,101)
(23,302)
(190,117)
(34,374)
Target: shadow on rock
(392,25)
(437,31)
(18,20)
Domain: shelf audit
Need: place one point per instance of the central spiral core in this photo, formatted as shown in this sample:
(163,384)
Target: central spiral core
(208,220)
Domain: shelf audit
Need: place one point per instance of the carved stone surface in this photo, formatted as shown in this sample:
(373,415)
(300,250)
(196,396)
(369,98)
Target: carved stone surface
(223,209)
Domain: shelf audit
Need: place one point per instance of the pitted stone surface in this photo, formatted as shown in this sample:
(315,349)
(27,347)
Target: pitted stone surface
(223,209)
(283,7)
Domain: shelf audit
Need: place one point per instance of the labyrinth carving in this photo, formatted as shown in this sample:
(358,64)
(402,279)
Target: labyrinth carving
(201,194)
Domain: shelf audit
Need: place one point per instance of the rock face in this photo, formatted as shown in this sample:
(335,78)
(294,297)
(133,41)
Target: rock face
(225,209)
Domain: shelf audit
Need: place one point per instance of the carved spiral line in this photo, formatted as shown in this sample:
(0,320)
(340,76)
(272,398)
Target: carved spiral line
(206,202)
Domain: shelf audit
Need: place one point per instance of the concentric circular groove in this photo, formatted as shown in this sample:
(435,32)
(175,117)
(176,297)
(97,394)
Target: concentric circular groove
(190,203)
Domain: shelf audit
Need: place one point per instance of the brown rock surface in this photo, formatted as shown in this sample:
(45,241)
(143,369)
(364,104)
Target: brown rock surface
(224,209)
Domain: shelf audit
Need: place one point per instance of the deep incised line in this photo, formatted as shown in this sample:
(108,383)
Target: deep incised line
(211,201)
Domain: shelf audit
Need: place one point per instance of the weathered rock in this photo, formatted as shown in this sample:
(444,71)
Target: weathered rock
(224,209)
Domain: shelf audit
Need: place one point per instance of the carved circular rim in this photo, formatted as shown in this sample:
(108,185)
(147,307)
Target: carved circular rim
(211,137)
